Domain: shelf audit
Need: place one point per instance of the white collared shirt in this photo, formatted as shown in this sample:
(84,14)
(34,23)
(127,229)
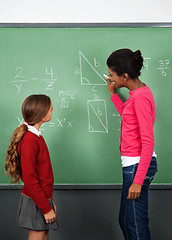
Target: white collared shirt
(34,130)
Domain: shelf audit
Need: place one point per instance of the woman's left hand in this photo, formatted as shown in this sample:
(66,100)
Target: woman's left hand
(134,191)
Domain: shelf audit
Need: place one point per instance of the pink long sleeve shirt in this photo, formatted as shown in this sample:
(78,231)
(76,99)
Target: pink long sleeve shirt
(137,137)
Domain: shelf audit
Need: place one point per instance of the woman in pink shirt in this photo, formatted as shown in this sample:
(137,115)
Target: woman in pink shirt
(137,141)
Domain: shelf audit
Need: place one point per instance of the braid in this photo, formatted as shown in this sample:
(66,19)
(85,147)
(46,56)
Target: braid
(12,165)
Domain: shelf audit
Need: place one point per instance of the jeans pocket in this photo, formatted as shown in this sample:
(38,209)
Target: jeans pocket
(129,173)
(151,172)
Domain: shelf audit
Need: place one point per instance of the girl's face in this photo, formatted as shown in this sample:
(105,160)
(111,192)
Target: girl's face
(48,117)
(118,80)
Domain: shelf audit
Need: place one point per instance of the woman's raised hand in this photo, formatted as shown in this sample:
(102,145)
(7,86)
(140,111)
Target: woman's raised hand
(111,86)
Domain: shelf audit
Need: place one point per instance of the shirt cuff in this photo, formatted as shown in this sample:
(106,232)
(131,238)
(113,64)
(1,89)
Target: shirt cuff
(113,96)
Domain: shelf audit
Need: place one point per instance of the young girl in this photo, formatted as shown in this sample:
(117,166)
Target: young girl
(28,159)
(137,141)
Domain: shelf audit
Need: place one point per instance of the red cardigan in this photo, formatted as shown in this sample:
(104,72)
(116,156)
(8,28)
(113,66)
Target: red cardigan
(37,173)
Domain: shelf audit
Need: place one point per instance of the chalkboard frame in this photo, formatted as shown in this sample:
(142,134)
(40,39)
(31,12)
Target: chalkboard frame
(87,187)
(88,25)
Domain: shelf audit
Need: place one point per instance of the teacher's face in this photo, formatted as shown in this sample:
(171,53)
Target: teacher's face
(118,80)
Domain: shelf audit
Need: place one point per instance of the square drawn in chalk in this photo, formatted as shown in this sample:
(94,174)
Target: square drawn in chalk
(97,116)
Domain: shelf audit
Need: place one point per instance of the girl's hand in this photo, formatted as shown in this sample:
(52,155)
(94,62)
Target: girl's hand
(111,86)
(50,217)
(134,191)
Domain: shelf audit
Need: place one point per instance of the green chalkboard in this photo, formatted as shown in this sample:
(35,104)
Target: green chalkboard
(68,65)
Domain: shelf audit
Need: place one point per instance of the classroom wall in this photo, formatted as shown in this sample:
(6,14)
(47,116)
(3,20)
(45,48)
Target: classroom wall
(24,11)
(87,214)
(79,210)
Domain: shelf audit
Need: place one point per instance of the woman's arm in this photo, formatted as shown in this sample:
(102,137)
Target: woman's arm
(144,113)
(114,97)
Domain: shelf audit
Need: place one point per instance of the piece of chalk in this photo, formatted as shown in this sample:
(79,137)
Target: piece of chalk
(105,76)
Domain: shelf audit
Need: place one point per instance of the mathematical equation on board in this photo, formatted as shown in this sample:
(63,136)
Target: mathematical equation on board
(59,122)
(66,97)
(163,65)
(96,106)
(19,79)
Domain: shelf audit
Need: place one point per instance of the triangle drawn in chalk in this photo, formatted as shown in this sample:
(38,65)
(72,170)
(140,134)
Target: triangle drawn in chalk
(89,75)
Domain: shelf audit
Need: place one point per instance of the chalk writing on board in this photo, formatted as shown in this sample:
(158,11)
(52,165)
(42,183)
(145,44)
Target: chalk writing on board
(61,122)
(97,116)
(88,73)
(94,90)
(146,62)
(19,79)
(96,64)
(95,97)
(48,124)
(49,81)
(65,123)
(66,96)
(116,115)
(20,121)
(163,65)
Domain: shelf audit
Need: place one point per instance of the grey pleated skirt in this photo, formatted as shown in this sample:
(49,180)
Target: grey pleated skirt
(30,216)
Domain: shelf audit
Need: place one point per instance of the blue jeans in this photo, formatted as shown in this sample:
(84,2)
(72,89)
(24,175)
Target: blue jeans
(133,216)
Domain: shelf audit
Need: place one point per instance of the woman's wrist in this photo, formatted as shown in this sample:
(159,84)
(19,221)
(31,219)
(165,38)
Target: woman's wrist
(112,93)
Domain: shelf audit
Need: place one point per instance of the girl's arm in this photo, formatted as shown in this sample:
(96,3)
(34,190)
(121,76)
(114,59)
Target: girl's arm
(28,153)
